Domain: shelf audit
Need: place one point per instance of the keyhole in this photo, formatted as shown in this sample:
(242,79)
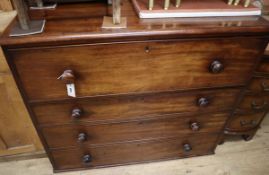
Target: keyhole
(147,49)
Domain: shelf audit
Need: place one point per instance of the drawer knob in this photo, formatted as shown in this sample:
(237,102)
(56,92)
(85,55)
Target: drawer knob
(195,126)
(250,123)
(87,158)
(265,87)
(203,102)
(216,67)
(187,147)
(257,107)
(82,137)
(76,113)
(67,76)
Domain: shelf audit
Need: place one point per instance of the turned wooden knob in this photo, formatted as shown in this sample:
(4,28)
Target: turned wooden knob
(76,113)
(216,67)
(195,126)
(257,107)
(82,137)
(87,158)
(187,147)
(67,76)
(203,102)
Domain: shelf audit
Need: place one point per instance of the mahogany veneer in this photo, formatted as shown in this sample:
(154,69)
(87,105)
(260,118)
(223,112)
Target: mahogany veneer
(159,89)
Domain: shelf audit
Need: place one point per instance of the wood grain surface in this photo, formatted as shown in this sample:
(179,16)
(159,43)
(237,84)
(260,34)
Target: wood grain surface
(168,126)
(134,152)
(149,67)
(130,107)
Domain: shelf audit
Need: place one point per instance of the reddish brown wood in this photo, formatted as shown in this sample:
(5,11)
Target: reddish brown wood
(137,85)
(168,126)
(133,152)
(255,103)
(245,122)
(259,85)
(264,66)
(129,107)
(113,69)
(87,29)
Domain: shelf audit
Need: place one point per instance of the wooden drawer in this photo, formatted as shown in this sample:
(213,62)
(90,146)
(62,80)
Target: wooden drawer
(168,126)
(128,107)
(244,122)
(135,67)
(264,65)
(259,85)
(134,152)
(255,103)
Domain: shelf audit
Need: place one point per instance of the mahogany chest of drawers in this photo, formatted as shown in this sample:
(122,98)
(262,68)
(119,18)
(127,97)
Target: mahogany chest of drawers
(157,90)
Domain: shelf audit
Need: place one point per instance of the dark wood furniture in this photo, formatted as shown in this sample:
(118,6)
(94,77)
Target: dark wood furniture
(253,105)
(160,89)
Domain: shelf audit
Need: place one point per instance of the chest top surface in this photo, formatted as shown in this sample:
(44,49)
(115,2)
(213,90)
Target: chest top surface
(76,24)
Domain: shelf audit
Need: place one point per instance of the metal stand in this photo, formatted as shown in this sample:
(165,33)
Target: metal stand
(35,27)
(116,21)
(25,25)
(108,23)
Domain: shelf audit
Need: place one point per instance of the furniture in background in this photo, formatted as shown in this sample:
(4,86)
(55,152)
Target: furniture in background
(17,134)
(159,89)
(253,105)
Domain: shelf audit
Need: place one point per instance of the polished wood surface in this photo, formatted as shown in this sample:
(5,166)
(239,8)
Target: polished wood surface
(140,89)
(259,85)
(150,67)
(88,30)
(133,152)
(130,107)
(264,66)
(254,103)
(165,127)
(245,122)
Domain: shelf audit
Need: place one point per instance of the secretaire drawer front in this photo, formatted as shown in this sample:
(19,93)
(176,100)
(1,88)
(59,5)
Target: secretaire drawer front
(134,152)
(134,67)
(244,122)
(255,103)
(172,126)
(259,85)
(128,107)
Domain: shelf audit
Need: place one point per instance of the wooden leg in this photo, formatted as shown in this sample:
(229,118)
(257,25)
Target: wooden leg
(221,139)
(249,136)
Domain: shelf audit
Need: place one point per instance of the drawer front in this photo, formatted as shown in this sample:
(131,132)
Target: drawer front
(134,152)
(255,103)
(133,107)
(136,67)
(244,122)
(171,126)
(264,65)
(259,85)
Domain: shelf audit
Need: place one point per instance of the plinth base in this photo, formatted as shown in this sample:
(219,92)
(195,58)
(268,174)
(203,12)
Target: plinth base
(36,26)
(108,23)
